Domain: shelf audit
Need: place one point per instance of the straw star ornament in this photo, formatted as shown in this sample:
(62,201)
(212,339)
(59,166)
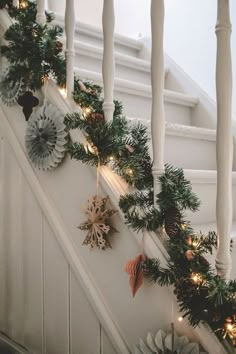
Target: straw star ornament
(98,223)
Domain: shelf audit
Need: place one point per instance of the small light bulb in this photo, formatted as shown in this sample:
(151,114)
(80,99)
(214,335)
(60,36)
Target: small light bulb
(88,110)
(195,243)
(180,319)
(23,5)
(196,278)
(111,158)
(130,172)
(229,327)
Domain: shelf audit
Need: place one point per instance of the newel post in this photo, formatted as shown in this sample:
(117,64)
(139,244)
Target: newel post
(157,79)
(224,147)
(108,65)
(70,51)
(41,17)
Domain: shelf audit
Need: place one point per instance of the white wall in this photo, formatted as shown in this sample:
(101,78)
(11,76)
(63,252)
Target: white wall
(189,31)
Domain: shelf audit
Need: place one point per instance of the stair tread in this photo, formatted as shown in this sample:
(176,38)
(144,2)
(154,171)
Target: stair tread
(183,130)
(141,89)
(203,176)
(123,59)
(84,28)
(212,227)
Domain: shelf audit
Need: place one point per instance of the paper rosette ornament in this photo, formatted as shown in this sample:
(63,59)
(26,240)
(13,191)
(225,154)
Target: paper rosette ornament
(98,223)
(10,91)
(46,137)
(162,343)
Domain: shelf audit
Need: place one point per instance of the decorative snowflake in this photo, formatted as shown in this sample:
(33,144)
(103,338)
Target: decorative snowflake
(97,224)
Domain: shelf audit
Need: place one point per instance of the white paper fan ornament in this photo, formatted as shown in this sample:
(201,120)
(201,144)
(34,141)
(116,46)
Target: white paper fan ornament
(161,343)
(46,137)
(10,91)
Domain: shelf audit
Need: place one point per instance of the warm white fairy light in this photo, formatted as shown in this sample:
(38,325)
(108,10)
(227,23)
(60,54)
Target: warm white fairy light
(196,278)
(87,111)
(62,91)
(130,172)
(180,319)
(23,4)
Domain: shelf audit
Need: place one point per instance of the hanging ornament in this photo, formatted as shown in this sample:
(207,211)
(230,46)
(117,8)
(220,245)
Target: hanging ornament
(129,148)
(162,343)
(10,91)
(135,269)
(59,46)
(97,224)
(46,137)
(189,254)
(28,102)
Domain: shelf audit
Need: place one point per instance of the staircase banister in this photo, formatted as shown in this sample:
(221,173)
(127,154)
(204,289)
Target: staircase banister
(154,248)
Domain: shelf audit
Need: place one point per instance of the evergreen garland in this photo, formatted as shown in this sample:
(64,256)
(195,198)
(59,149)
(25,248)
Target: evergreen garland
(34,53)
(33,50)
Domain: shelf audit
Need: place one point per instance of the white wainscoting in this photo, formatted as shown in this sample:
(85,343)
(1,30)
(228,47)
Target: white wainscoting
(42,305)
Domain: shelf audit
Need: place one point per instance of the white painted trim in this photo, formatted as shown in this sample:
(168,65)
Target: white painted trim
(65,241)
(138,89)
(89,30)
(12,344)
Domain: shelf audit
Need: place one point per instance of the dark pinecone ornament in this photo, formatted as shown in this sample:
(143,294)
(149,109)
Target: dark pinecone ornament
(172,221)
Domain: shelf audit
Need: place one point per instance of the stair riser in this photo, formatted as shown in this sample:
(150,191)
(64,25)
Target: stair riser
(206,192)
(139,106)
(99,42)
(93,62)
(189,153)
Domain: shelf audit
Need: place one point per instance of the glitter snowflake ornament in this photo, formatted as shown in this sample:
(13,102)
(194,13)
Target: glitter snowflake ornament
(97,223)
(10,91)
(46,137)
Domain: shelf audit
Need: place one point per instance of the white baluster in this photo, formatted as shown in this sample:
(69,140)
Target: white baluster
(41,17)
(157,78)
(70,52)
(108,65)
(224,150)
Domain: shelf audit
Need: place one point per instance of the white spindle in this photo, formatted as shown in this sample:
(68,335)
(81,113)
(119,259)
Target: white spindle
(224,150)
(157,78)
(108,66)
(70,51)
(41,17)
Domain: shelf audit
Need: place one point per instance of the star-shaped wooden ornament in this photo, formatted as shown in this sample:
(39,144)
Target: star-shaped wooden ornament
(97,223)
